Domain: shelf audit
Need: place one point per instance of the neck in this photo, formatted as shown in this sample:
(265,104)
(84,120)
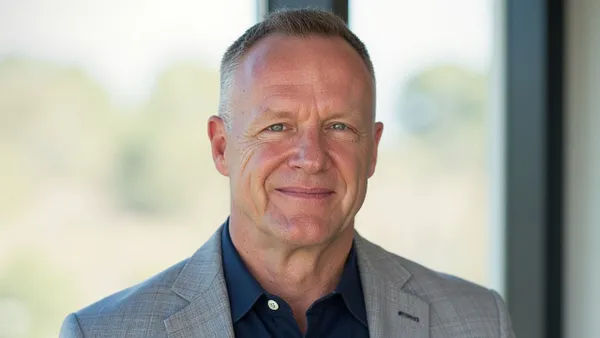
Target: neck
(299,275)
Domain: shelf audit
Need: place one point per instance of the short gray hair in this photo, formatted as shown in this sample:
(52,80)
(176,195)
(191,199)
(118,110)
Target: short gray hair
(293,22)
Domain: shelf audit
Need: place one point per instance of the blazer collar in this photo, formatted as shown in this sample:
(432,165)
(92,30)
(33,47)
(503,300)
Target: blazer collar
(201,282)
(391,312)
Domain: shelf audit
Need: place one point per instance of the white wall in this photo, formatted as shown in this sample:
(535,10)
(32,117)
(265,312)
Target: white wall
(582,291)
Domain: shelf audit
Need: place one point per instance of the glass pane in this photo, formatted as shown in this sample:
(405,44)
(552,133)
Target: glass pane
(429,200)
(103,149)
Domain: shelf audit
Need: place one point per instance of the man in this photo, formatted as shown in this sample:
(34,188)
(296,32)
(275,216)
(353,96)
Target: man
(297,137)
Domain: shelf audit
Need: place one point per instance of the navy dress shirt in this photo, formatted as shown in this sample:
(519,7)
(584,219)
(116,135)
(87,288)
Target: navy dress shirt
(256,313)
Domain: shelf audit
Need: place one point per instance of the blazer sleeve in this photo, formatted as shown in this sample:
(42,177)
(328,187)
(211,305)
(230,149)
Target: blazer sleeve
(70,328)
(505,325)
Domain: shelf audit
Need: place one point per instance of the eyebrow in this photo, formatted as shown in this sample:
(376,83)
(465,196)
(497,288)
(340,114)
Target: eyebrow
(270,114)
(275,114)
(345,114)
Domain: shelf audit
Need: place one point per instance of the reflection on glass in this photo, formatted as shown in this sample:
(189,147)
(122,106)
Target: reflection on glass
(428,200)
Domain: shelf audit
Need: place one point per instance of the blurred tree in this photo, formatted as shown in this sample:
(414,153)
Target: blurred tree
(55,123)
(444,109)
(61,141)
(33,294)
(164,155)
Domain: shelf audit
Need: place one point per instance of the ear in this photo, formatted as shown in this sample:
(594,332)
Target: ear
(377,135)
(217,134)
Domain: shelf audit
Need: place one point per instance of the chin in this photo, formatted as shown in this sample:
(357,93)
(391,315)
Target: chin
(306,230)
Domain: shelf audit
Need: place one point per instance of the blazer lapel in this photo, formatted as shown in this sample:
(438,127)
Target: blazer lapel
(201,282)
(391,312)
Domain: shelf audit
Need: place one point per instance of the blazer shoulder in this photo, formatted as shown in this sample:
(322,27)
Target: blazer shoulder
(458,306)
(433,287)
(455,303)
(435,282)
(150,302)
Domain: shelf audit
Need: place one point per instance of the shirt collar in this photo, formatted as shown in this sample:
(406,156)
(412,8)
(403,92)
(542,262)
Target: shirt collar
(350,287)
(244,290)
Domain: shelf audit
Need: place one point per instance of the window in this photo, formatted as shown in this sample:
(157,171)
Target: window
(103,149)
(431,197)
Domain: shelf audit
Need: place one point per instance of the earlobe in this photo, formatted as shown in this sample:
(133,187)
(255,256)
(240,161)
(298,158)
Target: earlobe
(218,143)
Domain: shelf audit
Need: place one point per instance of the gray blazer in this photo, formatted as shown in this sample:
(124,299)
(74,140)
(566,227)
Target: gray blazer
(402,298)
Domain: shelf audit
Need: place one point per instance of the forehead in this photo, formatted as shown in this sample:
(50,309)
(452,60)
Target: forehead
(305,70)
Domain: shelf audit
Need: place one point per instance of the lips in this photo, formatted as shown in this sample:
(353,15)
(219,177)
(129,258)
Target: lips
(304,192)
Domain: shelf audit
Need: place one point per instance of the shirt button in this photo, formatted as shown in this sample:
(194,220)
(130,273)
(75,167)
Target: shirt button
(273,305)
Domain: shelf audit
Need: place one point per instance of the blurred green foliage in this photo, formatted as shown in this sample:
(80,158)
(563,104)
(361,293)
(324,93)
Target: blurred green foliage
(56,122)
(31,291)
(445,109)
(59,128)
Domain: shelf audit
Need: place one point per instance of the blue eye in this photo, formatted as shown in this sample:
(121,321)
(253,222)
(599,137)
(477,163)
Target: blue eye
(276,127)
(339,126)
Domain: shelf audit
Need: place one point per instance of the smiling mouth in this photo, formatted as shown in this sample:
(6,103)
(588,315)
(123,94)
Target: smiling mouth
(306,193)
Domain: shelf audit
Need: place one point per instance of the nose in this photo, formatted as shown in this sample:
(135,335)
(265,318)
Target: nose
(310,154)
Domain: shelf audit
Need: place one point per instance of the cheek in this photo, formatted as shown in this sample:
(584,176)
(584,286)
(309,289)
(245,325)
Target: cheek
(351,162)
(352,166)
(265,159)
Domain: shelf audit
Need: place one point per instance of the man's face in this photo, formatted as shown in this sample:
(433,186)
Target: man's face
(303,140)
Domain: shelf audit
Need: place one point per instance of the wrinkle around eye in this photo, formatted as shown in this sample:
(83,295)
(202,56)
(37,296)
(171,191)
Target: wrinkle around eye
(346,126)
(268,134)
(283,128)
